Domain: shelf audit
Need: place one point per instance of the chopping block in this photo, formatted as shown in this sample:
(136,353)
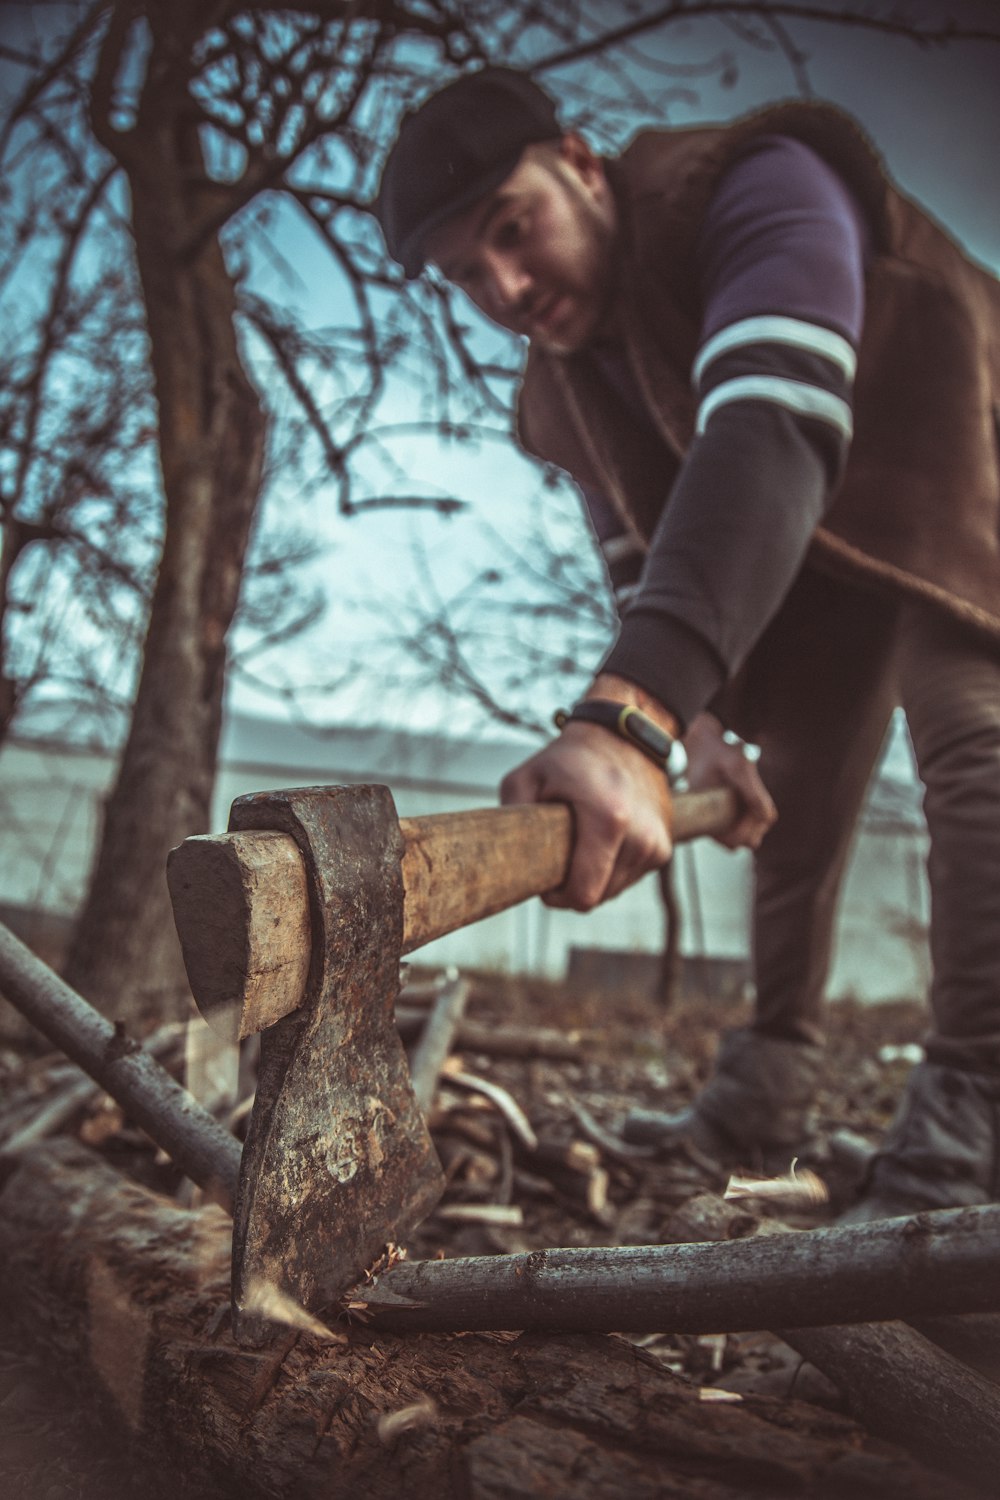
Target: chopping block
(293,924)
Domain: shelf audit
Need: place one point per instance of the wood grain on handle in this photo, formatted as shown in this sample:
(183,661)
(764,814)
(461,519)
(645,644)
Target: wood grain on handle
(242,910)
(461,867)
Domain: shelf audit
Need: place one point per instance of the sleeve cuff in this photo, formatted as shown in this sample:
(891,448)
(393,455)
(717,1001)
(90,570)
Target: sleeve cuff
(672,662)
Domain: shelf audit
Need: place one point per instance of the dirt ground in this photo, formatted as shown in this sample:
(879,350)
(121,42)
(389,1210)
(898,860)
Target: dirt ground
(57,1444)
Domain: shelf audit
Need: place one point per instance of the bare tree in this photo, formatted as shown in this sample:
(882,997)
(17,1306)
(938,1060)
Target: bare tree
(192,118)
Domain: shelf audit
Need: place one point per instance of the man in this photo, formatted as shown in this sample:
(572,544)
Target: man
(776,381)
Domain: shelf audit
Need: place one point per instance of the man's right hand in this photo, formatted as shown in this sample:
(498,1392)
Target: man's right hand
(621,809)
(713,761)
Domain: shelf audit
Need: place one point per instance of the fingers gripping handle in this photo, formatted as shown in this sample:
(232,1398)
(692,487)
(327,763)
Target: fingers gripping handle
(241,904)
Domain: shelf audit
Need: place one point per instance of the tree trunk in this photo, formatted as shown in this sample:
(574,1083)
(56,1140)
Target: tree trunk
(125,956)
(131,1292)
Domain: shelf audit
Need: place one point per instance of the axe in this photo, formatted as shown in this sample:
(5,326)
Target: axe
(293,925)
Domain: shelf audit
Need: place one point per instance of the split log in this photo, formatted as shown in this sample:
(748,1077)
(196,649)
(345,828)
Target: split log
(131,1292)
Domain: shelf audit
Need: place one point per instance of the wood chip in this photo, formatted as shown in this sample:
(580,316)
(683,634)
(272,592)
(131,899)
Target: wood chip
(582,1157)
(269,1301)
(597,1196)
(802,1187)
(508,1214)
(419,1414)
(503,1101)
(103,1125)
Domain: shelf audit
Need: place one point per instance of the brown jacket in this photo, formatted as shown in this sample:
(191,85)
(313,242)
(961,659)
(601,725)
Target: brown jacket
(918,509)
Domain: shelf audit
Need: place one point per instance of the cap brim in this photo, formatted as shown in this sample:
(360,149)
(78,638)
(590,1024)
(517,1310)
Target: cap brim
(412,256)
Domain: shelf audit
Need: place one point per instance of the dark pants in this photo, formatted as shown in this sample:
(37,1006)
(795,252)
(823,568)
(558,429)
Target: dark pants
(849,659)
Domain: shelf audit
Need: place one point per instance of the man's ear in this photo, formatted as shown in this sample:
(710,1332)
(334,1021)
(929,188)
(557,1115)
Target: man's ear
(581,159)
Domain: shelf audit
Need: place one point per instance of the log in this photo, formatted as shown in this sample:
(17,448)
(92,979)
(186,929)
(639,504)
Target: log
(974,1340)
(130,1292)
(902,1386)
(911,1392)
(525,1041)
(934,1263)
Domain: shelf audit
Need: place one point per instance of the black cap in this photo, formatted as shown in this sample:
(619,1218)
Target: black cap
(454,149)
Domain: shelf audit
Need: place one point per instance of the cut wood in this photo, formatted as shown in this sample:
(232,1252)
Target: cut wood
(130,1292)
(501,1041)
(436,1042)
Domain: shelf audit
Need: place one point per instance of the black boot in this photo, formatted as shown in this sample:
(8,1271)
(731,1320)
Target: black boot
(942,1150)
(754,1111)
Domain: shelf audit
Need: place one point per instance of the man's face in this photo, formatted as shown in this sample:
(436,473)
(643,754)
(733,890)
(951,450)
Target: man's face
(536,255)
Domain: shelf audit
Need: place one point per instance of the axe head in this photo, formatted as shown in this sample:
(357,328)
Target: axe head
(338,1160)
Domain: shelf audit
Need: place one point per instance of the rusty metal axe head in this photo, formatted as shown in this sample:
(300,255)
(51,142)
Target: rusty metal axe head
(338,1160)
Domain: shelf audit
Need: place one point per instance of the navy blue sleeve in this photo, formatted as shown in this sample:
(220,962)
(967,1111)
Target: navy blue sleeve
(782,256)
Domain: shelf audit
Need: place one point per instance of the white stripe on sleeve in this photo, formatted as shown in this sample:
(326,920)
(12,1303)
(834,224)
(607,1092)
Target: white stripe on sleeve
(812,337)
(806,400)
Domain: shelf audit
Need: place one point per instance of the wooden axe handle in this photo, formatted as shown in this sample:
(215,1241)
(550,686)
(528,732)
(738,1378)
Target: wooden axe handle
(241,901)
(460,867)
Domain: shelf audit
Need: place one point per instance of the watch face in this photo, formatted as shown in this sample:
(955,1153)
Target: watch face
(639,727)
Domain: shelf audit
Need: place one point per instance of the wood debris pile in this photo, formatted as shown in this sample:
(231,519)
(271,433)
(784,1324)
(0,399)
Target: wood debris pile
(526,1088)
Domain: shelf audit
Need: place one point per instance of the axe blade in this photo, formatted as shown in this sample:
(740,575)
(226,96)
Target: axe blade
(338,1160)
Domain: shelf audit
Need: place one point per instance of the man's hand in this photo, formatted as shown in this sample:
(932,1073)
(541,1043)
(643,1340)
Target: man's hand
(714,762)
(620,801)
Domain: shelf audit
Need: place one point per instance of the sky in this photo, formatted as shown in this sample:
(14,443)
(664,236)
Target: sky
(933,112)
